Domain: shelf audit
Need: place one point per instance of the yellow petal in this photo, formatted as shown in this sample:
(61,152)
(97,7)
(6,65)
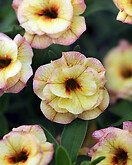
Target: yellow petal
(91,114)
(72,105)
(87,83)
(73,32)
(74,58)
(78,6)
(38,42)
(41,77)
(35,130)
(124,17)
(51,114)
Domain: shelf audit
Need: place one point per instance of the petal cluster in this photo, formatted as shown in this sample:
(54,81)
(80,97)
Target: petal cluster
(125,13)
(118,63)
(15,63)
(71,87)
(25,145)
(50,21)
(113,143)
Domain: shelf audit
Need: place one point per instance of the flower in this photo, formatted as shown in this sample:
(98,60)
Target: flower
(71,87)
(25,145)
(125,13)
(15,60)
(113,143)
(50,21)
(118,63)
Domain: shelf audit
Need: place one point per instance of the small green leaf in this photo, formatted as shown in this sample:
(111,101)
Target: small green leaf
(3,126)
(62,157)
(121,108)
(73,136)
(128,117)
(82,158)
(77,48)
(52,55)
(96,161)
(50,138)
(86,163)
(4,103)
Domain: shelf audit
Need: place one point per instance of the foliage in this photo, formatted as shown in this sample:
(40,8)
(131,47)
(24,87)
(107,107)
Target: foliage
(103,33)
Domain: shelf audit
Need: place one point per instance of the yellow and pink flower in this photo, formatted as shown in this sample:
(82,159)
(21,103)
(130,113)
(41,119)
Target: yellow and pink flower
(50,21)
(15,63)
(25,145)
(125,13)
(118,64)
(71,87)
(113,143)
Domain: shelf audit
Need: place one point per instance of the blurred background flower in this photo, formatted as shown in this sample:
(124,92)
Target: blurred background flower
(118,63)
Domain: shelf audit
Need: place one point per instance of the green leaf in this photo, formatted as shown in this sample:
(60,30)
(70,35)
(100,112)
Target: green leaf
(73,136)
(86,163)
(128,117)
(121,108)
(52,55)
(94,162)
(3,126)
(82,158)
(62,157)
(77,48)
(4,102)
(50,138)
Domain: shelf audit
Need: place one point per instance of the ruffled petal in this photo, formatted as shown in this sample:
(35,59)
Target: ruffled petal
(91,114)
(76,28)
(41,77)
(78,6)
(51,114)
(38,42)
(35,130)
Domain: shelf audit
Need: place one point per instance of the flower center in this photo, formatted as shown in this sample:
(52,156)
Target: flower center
(21,157)
(50,13)
(127,73)
(71,84)
(4,63)
(120,158)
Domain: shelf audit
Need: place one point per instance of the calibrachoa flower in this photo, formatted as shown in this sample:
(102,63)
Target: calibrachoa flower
(25,145)
(125,13)
(50,21)
(15,60)
(118,63)
(71,87)
(115,144)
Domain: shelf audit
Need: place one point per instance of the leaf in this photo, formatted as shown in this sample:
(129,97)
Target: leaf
(62,157)
(86,163)
(50,138)
(82,158)
(122,108)
(94,162)
(4,102)
(128,117)
(52,55)
(73,136)
(3,126)
(77,48)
